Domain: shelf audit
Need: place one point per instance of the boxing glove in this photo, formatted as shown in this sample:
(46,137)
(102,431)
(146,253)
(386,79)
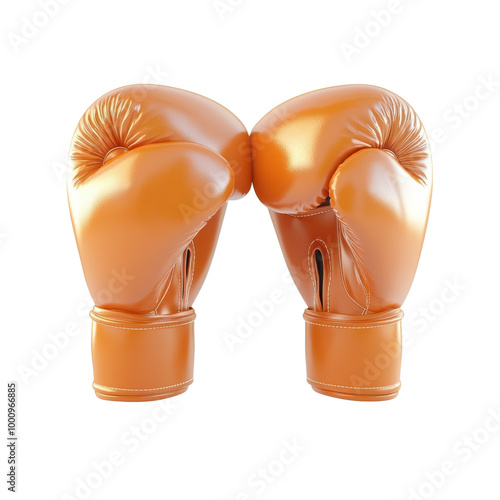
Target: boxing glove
(151,170)
(346,175)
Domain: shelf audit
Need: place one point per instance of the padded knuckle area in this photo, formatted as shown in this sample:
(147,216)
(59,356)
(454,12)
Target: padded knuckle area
(299,146)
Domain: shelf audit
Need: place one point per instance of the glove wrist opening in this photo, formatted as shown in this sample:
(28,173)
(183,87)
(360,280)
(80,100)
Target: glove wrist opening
(140,357)
(354,357)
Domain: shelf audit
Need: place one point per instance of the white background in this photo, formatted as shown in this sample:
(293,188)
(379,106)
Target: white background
(251,55)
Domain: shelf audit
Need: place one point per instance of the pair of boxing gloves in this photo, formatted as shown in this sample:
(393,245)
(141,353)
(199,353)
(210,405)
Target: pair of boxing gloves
(346,175)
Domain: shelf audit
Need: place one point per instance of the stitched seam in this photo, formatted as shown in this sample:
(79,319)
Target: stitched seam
(367,292)
(329,274)
(179,303)
(173,272)
(190,284)
(151,328)
(194,263)
(369,299)
(167,289)
(353,327)
(393,386)
(344,225)
(153,389)
(312,215)
(310,273)
(329,277)
(339,245)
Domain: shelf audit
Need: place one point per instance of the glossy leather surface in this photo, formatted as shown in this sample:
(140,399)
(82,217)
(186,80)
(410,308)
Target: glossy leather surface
(346,174)
(151,170)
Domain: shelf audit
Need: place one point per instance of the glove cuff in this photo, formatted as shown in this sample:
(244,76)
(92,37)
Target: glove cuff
(354,357)
(141,358)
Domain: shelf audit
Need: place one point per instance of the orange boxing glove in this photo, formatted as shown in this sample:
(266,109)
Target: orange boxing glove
(151,170)
(346,175)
